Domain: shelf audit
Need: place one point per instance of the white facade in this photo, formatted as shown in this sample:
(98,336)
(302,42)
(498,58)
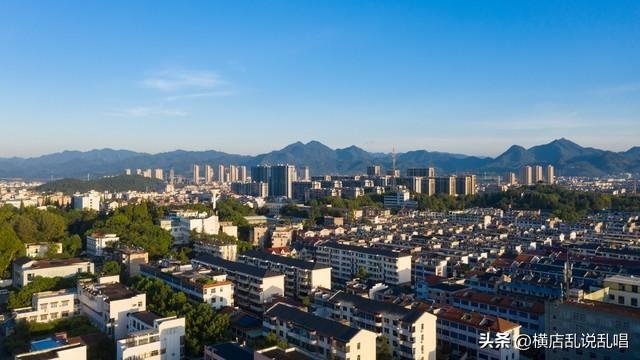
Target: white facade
(26,269)
(97,242)
(227,251)
(152,337)
(88,201)
(55,348)
(386,266)
(48,306)
(107,303)
(35,250)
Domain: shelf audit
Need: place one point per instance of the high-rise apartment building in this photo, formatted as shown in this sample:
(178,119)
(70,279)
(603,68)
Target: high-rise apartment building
(305,175)
(208,174)
(466,185)
(242,173)
(280,183)
(374,170)
(172,176)
(221,174)
(537,174)
(551,176)
(261,173)
(233,173)
(127,171)
(511,178)
(158,174)
(196,173)
(422,172)
(526,175)
(147,173)
(446,185)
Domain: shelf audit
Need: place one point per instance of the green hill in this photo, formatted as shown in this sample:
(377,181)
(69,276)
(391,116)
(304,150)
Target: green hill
(113,184)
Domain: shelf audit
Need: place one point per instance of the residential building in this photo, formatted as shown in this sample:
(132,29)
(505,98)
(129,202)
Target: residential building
(26,269)
(537,174)
(551,176)
(208,174)
(390,267)
(227,250)
(96,242)
(196,174)
(200,284)
(526,175)
(39,250)
(48,306)
(221,175)
(374,170)
(301,277)
(280,182)
(593,317)
(131,259)
(152,336)
(319,337)
(158,174)
(622,290)
(399,199)
(422,172)
(410,332)
(466,185)
(261,173)
(88,201)
(253,286)
(107,304)
(461,332)
(446,185)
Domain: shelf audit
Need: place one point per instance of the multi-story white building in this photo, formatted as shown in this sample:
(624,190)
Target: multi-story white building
(222,249)
(461,332)
(180,225)
(390,267)
(107,303)
(26,269)
(622,290)
(88,201)
(411,333)
(48,306)
(301,277)
(152,337)
(200,284)
(253,286)
(96,242)
(318,337)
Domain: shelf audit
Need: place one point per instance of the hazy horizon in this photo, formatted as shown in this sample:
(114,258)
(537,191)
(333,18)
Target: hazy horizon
(246,78)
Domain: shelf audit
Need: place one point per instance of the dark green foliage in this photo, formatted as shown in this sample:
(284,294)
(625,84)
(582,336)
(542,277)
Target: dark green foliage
(203,325)
(135,226)
(111,268)
(22,297)
(112,184)
(231,210)
(10,248)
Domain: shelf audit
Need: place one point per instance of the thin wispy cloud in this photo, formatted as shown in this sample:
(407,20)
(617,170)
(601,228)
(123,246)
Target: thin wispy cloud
(219,93)
(149,112)
(172,80)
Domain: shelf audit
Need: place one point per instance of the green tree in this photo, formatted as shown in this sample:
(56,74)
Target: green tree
(384,349)
(111,268)
(10,247)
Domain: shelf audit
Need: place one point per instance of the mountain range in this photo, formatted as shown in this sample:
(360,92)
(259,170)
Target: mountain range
(568,157)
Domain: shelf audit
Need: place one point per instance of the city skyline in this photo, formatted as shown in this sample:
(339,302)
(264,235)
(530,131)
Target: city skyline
(462,78)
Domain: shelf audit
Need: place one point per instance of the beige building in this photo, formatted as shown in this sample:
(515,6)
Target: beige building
(56,347)
(526,175)
(39,250)
(96,242)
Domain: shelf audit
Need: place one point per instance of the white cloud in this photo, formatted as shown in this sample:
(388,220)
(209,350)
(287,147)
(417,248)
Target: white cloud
(148,112)
(172,80)
(217,93)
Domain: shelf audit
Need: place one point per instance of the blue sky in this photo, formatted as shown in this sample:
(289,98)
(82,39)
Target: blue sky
(247,77)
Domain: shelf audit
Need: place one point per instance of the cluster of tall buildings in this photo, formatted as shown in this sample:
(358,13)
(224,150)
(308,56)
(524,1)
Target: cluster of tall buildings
(424,180)
(530,175)
(221,174)
(148,173)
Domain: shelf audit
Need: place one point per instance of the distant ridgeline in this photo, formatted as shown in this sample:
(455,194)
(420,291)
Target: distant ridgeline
(114,184)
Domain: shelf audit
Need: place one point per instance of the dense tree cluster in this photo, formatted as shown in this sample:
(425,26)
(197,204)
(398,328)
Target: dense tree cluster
(136,226)
(113,184)
(203,324)
(30,225)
